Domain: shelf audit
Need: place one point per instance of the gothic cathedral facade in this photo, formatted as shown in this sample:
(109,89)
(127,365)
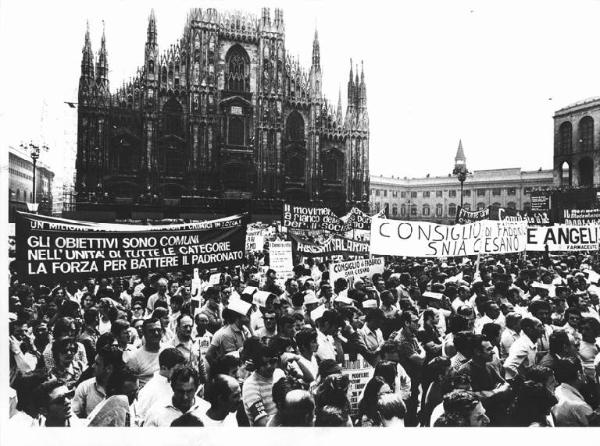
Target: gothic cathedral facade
(224,112)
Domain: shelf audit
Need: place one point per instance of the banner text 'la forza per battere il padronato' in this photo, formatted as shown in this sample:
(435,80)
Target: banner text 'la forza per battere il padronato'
(68,249)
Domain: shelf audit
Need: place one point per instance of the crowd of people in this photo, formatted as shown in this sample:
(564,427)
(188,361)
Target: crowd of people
(492,341)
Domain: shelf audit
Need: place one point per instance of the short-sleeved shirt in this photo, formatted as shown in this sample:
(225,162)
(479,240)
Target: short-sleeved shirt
(144,363)
(482,378)
(257,395)
(228,339)
(88,395)
(215,322)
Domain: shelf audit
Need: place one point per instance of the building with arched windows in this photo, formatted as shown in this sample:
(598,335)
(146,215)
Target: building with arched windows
(577,145)
(438,198)
(224,114)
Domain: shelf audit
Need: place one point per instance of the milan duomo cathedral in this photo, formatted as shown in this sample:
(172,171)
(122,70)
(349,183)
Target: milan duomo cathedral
(224,112)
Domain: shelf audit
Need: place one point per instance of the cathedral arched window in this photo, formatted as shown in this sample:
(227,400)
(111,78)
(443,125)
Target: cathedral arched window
(565,174)
(295,167)
(172,118)
(426,210)
(151,67)
(586,133)
(236,131)
(565,137)
(395,210)
(331,169)
(237,70)
(294,128)
(164,74)
(172,159)
(439,210)
(402,210)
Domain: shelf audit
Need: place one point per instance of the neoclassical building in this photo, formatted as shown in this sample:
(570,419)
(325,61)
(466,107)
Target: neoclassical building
(223,112)
(437,198)
(577,144)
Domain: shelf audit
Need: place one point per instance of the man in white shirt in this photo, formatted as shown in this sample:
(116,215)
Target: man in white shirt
(184,383)
(510,334)
(492,315)
(370,333)
(161,294)
(571,410)
(144,361)
(326,329)
(92,392)
(523,352)
(158,389)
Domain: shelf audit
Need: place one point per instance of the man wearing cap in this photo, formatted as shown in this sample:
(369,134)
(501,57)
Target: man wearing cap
(370,333)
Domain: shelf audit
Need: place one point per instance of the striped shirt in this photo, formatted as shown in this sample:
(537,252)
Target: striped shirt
(257,395)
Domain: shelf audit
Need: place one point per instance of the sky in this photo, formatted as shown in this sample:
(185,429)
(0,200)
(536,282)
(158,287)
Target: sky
(491,73)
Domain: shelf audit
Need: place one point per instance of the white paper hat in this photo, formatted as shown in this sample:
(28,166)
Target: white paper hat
(371,303)
(239,306)
(317,313)
(432,295)
(310,298)
(260,298)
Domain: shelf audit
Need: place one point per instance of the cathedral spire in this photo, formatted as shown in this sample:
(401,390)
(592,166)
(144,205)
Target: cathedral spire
(350,85)
(363,87)
(102,65)
(316,52)
(152,28)
(87,61)
(339,107)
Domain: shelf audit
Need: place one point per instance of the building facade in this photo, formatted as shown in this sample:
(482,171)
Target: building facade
(20,183)
(223,112)
(577,145)
(436,199)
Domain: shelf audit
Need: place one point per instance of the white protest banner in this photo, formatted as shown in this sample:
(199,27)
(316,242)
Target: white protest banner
(280,258)
(562,238)
(355,268)
(359,372)
(214,279)
(423,239)
(196,285)
(255,239)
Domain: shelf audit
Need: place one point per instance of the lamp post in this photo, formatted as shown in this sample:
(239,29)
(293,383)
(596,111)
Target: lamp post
(460,169)
(34,153)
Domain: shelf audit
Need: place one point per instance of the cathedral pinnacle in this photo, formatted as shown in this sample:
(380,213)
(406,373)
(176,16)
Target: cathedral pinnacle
(460,154)
(316,54)
(152,27)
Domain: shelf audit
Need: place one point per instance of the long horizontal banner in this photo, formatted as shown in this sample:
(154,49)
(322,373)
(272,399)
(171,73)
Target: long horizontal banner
(67,249)
(581,217)
(333,246)
(356,268)
(305,217)
(533,218)
(562,238)
(424,239)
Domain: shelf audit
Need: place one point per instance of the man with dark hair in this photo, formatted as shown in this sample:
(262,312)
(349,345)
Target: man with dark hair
(188,346)
(391,410)
(571,410)
(54,404)
(92,391)
(484,378)
(89,334)
(492,315)
(257,393)
(158,388)
(144,360)
(184,383)
(464,409)
(523,352)
(118,409)
(412,357)
(224,395)
(327,327)
(269,329)
(370,333)
(560,347)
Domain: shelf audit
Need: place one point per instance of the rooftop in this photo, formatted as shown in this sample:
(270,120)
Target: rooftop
(587,101)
